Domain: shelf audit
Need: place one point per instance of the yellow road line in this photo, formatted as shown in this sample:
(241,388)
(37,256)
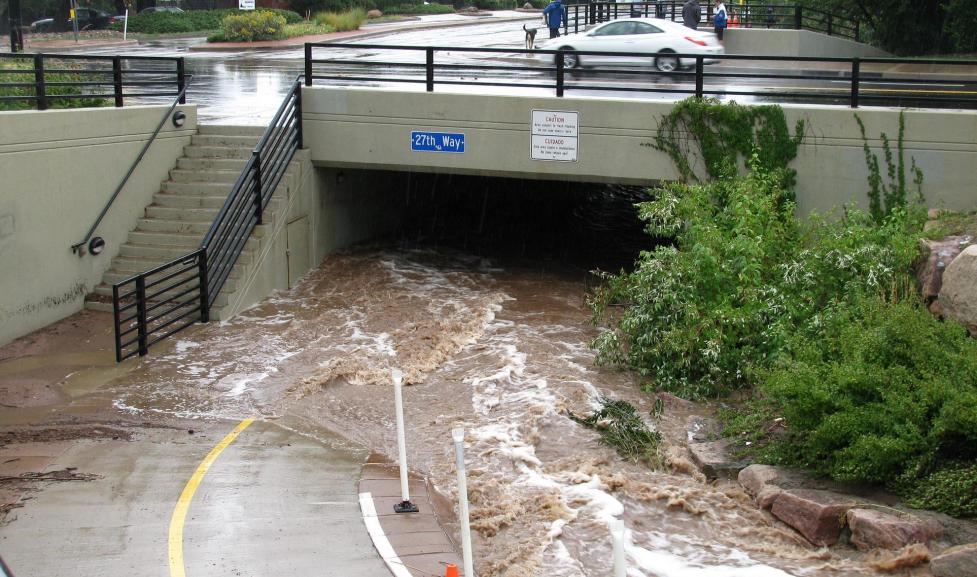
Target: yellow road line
(183,504)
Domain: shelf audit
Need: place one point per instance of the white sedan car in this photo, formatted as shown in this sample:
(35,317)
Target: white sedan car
(661,39)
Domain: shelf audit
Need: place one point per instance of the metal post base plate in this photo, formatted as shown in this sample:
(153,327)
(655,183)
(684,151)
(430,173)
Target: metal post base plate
(405,507)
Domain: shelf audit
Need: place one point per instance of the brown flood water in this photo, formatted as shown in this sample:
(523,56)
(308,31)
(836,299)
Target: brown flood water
(503,352)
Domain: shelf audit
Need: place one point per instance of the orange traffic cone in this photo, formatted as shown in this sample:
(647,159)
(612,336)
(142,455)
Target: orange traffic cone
(451,570)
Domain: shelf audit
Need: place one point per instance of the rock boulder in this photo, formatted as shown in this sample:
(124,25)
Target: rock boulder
(871,529)
(818,515)
(960,561)
(939,254)
(958,295)
(715,459)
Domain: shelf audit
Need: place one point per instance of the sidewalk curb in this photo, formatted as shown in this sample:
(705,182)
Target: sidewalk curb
(300,41)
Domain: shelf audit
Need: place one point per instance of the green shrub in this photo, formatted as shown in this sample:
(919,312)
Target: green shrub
(877,391)
(194,20)
(497,4)
(349,20)
(251,26)
(951,490)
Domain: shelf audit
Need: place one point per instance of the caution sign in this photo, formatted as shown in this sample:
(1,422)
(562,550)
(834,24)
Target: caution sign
(554,135)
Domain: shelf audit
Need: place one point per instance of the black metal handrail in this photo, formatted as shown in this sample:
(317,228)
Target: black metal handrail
(92,78)
(698,81)
(153,305)
(181,97)
(748,15)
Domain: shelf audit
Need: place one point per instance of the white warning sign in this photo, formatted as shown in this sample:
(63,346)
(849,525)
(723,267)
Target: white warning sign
(554,135)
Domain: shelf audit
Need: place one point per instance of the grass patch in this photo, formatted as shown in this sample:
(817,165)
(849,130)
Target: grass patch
(303,28)
(620,426)
(200,21)
(421,9)
(342,21)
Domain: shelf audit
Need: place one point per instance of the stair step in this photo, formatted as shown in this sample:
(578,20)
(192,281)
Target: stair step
(187,200)
(188,214)
(159,225)
(205,175)
(168,253)
(229,130)
(194,151)
(248,142)
(232,164)
(128,266)
(188,241)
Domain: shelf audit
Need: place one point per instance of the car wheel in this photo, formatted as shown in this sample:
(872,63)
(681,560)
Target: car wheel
(570,60)
(666,62)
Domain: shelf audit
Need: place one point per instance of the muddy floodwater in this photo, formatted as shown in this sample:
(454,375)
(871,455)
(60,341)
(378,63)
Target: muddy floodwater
(501,350)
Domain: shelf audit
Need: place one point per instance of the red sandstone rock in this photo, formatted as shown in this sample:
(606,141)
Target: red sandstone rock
(958,561)
(818,515)
(940,253)
(871,529)
(755,477)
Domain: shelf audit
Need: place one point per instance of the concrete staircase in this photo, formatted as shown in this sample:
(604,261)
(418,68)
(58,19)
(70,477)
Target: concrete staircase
(184,208)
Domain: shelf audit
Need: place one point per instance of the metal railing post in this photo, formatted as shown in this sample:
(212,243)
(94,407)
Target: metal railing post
(429,68)
(181,79)
(117,80)
(308,64)
(855,73)
(257,184)
(798,17)
(141,323)
(699,76)
(115,320)
(204,287)
(40,91)
(298,114)
(559,74)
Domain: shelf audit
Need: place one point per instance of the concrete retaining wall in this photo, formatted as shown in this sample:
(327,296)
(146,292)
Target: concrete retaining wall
(370,129)
(59,168)
(761,42)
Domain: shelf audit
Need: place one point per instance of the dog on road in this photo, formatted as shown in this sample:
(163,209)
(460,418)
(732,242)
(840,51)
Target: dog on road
(530,37)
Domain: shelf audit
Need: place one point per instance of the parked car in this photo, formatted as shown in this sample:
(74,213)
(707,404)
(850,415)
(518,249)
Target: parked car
(160,9)
(660,39)
(88,19)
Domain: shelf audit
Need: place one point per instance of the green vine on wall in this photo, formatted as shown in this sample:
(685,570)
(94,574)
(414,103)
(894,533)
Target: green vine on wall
(719,134)
(882,197)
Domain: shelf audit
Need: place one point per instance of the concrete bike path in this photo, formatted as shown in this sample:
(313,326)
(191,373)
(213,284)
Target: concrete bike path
(272,502)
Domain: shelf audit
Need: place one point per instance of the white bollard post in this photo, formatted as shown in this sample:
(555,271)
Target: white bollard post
(404,506)
(125,25)
(617,537)
(458,435)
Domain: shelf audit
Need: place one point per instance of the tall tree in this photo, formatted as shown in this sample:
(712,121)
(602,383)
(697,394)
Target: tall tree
(899,26)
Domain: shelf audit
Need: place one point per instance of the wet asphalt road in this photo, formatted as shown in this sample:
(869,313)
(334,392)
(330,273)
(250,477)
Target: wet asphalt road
(246,87)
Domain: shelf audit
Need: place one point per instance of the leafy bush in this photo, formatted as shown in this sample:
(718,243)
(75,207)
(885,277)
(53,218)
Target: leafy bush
(349,20)
(877,391)
(952,490)
(252,26)
(194,20)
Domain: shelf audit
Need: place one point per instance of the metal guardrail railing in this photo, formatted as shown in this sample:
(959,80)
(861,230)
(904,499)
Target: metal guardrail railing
(842,81)
(46,80)
(749,15)
(155,304)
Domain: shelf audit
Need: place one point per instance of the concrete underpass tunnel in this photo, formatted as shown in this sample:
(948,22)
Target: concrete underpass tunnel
(526,222)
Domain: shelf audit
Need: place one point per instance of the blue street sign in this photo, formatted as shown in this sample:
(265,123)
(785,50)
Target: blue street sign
(437,142)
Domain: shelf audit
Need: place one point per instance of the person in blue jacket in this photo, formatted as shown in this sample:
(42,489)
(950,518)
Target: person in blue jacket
(553,14)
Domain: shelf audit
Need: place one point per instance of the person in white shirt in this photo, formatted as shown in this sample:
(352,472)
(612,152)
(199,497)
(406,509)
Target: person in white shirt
(720,19)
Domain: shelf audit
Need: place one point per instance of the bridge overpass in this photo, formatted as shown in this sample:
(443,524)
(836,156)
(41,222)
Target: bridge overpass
(613,141)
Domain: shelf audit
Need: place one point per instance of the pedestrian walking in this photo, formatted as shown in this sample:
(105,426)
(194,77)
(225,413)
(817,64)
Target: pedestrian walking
(691,13)
(720,20)
(553,16)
